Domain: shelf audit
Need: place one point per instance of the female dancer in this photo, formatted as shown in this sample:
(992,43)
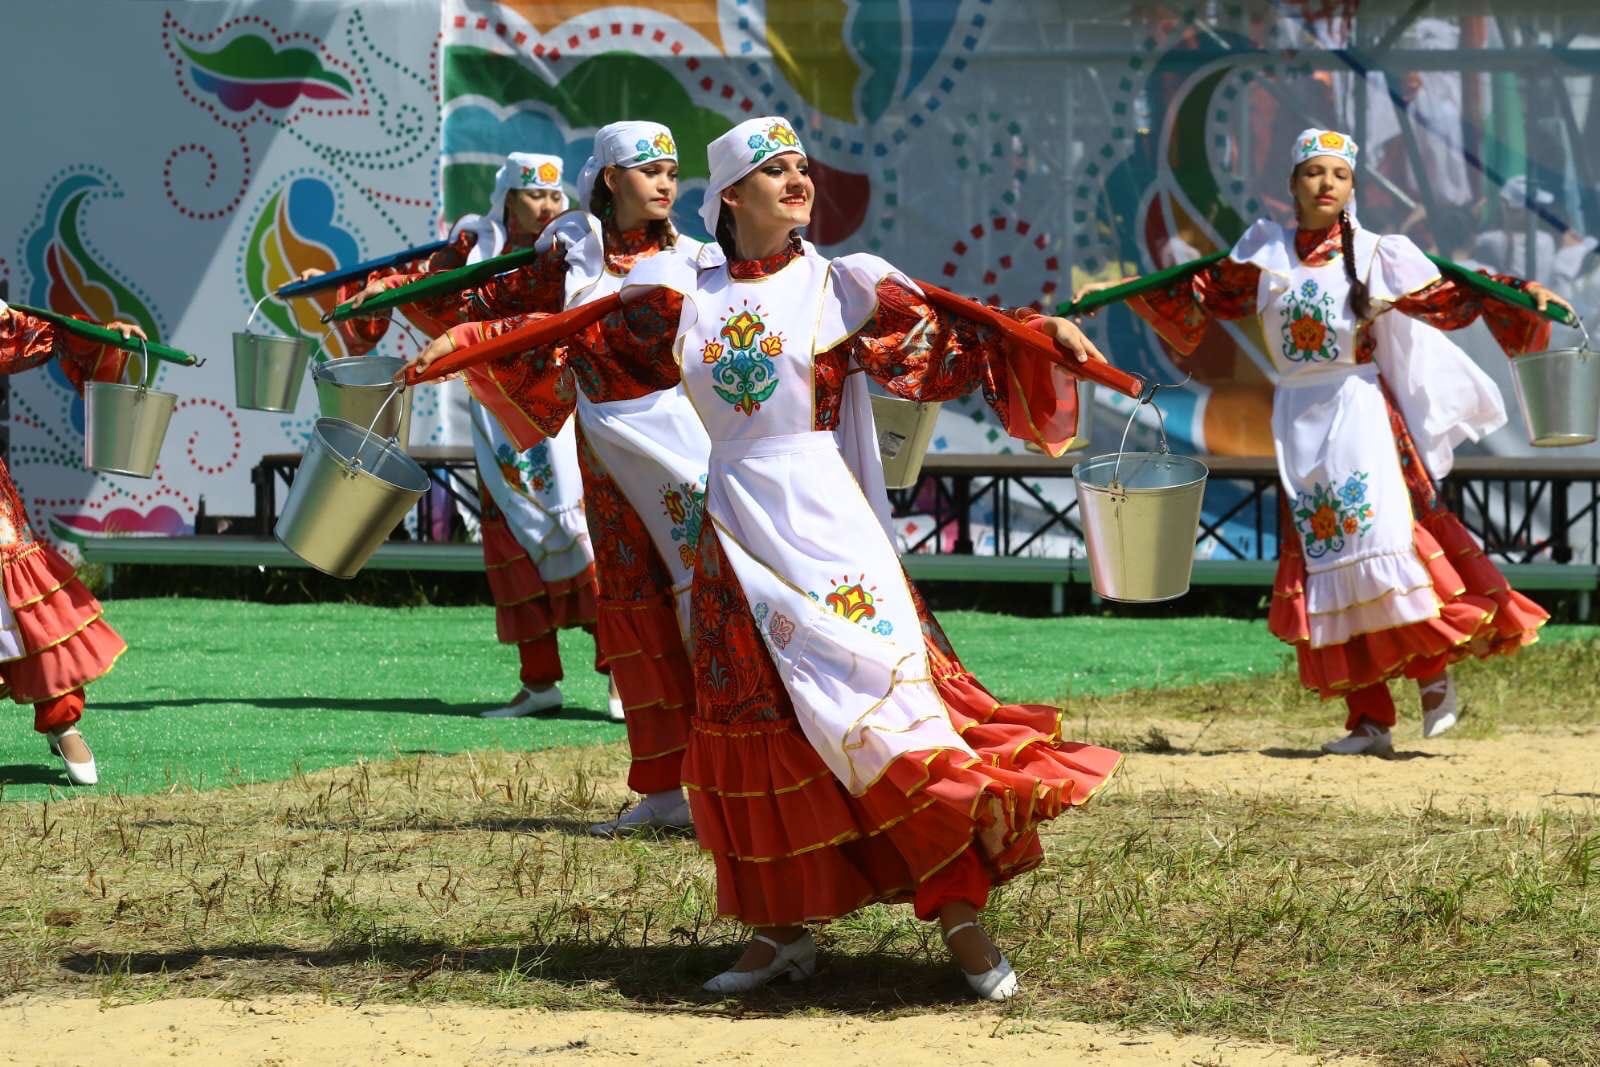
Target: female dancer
(840,753)
(643,460)
(1376,578)
(536,544)
(53,637)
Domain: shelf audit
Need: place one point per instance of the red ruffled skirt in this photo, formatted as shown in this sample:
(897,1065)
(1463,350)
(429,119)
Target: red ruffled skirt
(792,845)
(526,607)
(1479,613)
(637,632)
(69,643)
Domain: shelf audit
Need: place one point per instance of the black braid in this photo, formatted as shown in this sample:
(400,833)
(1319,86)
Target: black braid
(1360,303)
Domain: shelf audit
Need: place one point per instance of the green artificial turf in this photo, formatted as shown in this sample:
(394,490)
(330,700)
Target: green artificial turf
(216,692)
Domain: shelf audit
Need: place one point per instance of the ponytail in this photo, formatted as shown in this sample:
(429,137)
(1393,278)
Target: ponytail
(1360,302)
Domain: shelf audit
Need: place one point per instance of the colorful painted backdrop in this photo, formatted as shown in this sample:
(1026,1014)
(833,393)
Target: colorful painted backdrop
(1010,149)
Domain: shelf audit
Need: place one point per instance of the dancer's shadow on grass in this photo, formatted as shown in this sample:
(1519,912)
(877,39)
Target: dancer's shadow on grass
(402,705)
(32,774)
(661,976)
(1317,753)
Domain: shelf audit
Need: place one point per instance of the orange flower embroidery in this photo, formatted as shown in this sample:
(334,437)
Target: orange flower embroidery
(1351,525)
(549,173)
(711,352)
(772,346)
(1324,523)
(1308,334)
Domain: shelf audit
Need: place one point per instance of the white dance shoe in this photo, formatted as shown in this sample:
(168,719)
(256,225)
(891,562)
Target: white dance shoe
(998,983)
(614,705)
(797,959)
(659,811)
(530,700)
(1365,739)
(1442,717)
(77,773)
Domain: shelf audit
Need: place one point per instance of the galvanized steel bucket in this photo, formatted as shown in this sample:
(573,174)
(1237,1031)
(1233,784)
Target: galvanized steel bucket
(351,490)
(358,389)
(268,370)
(905,428)
(1140,513)
(125,425)
(1559,394)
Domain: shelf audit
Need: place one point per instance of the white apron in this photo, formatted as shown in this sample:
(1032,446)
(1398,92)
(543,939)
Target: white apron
(539,490)
(808,544)
(654,447)
(1335,448)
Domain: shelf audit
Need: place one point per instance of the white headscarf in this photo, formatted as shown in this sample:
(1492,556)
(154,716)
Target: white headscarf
(1314,142)
(738,152)
(631,143)
(521,170)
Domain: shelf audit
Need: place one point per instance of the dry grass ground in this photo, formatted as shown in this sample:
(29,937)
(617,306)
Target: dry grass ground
(1211,892)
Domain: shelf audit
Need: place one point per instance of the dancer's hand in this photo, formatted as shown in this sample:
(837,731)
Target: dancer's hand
(1069,337)
(438,348)
(309,273)
(1097,287)
(1543,298)
(372,289)
(127,330)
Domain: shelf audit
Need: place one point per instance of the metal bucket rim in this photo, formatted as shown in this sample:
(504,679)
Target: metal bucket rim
(327,371)
(1570,350)
(270,337)
(124,386)
(385,445)
(1204,472)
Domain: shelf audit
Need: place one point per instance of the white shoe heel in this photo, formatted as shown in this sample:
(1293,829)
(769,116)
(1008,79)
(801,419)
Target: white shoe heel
(77,773)
(1365,739)
(998,983)
(798,960)
(543,700)
(1443,717)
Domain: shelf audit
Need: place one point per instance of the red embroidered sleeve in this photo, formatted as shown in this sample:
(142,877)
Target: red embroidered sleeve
(1179,313)
(537,286)
(27,342)
(1449,305)
(360,335)
(625,355)
(919,353)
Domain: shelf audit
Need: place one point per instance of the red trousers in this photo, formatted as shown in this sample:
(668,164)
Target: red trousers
(58,713)
(962,879)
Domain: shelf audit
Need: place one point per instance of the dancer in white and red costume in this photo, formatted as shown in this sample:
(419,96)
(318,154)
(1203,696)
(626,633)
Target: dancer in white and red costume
(54,639)
(840,754)
(1376,578)
(536,546)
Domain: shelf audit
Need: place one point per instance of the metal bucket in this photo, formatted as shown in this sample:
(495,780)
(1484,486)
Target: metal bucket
(905,427)
(268,370)
(356,389)
(351,490)
(125,426)
(1559,394)
(1140,514)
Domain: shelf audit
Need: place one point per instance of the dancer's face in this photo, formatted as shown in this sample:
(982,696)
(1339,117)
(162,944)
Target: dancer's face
(531,209)
(775,196)
(1321,186)
(642,194)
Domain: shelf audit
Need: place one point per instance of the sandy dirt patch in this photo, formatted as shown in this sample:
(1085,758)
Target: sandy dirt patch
(1519,773)
(304,1030)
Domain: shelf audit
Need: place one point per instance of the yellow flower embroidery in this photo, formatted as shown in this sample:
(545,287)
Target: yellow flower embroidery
(741,330)
(665,146)
(772,346)
(1331,140)
(549,173)
(781,133)
(711,352)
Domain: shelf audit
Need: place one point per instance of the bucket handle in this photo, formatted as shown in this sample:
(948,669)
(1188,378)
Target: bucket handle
(152,367)
(369,435)
(254,310)
(1161,422)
